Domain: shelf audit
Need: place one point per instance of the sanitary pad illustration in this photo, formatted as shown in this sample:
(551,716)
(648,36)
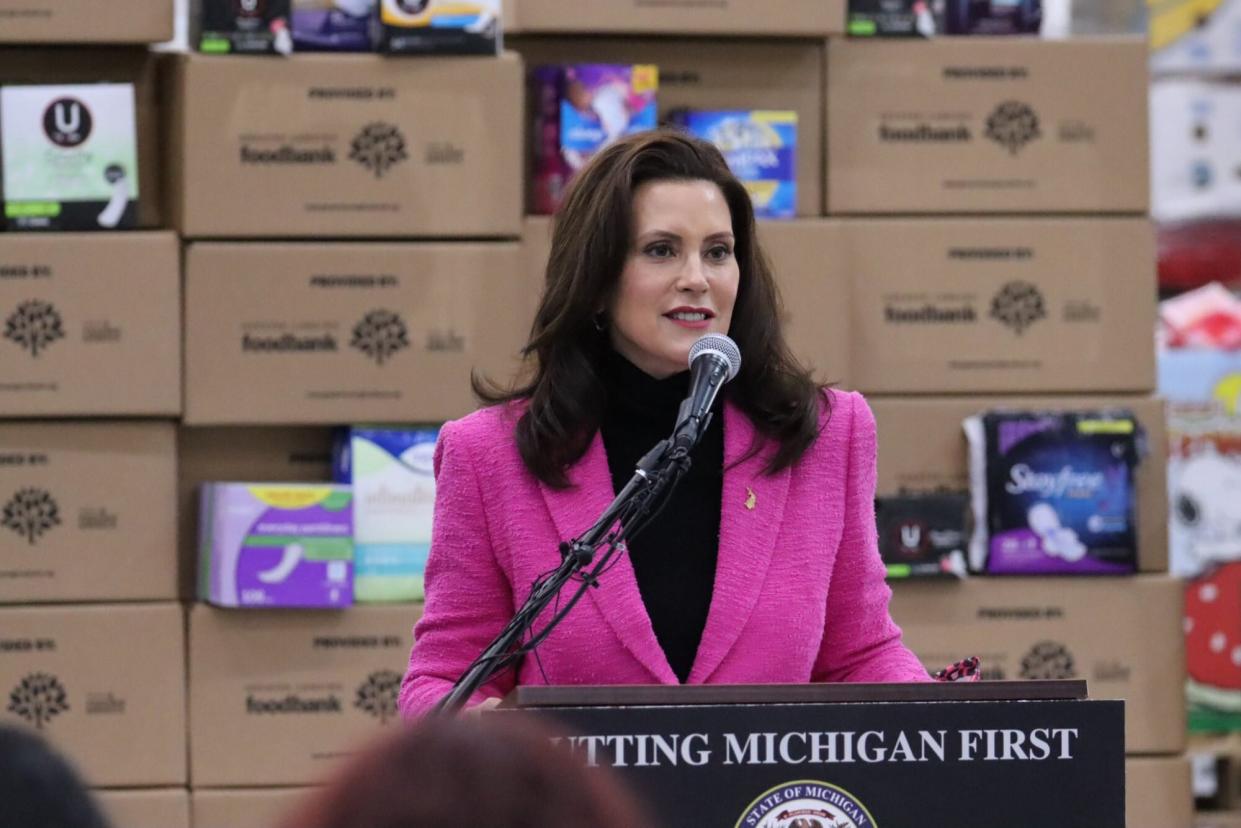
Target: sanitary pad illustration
(276,545)
(1054,492)
(392,474)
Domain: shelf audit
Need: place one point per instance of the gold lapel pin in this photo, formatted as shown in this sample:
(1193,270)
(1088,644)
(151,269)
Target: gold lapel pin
(751,499)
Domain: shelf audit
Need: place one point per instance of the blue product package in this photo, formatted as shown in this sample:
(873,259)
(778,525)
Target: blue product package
(1054,492)
(392,474)
(760,147)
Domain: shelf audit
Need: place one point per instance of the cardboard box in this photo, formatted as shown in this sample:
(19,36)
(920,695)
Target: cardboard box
(987,125)
(346,145)
(281,697)
(92,324)
(340,333)
(261,455)
(244,807)
(923,449)
(105,684)
(1122,635)
(88,512)
(1158,793)
(1001,305)
(25,65)
(709,73)
(802,253)
(81,21)
(798,18)
(150,808)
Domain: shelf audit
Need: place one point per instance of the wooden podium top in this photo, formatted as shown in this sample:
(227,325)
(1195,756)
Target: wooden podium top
(709,694)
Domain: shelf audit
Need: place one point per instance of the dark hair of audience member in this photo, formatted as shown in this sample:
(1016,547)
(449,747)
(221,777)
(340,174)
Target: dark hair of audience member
(38,787)
(500,771)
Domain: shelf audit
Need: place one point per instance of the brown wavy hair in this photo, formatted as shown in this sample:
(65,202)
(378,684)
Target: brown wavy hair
(499,770)
(565,392)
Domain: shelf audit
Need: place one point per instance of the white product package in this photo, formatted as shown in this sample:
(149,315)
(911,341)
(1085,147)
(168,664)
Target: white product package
(69,157)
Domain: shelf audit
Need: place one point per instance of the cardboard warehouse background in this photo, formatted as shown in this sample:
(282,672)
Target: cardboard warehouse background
(308,242)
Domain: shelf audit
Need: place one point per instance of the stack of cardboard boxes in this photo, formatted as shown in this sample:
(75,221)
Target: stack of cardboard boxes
(351,227)
(92,647)
(962,170)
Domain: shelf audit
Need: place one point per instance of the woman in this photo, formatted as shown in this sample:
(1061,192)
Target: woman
(763,567)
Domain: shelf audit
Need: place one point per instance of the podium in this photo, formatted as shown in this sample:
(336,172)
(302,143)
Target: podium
(1009,754)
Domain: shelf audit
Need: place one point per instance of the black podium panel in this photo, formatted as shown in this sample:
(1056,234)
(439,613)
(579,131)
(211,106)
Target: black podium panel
(926,764)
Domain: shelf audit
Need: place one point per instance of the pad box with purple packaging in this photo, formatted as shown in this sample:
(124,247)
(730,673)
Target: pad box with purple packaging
(578,110)
(276,545)
(1054,492)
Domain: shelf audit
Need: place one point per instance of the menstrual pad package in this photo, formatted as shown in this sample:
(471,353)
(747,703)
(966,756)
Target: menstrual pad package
(1054,492)
(392,474)
(923,535)
(440,27)
(579,109)
(245,27)
(276,545)
(760,147)
(69,157)
(333,25)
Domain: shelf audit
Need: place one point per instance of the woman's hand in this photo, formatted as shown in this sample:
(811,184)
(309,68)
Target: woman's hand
(481,707)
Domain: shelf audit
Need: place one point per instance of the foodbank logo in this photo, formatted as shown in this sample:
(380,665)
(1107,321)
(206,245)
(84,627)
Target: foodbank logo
(30,513)
(380,335)
(1018,305)
(378,147)
(34,326)
(1013,125)
(377,695)
(38,698)
(1048,660)
(806,803)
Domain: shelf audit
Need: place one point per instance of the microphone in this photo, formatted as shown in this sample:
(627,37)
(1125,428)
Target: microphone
(713,360)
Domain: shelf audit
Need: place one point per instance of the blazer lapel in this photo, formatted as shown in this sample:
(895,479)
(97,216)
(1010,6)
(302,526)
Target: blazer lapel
(617,596)
(751,513)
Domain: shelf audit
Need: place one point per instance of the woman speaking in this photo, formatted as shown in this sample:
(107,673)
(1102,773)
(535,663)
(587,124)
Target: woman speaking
(763,566)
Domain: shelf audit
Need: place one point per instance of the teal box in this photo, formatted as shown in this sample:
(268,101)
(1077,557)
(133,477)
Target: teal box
(392,473)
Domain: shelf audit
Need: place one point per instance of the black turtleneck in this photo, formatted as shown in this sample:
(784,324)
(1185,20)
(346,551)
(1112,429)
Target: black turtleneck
(674,556)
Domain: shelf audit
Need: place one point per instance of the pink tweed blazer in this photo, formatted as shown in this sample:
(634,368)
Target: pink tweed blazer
(799,588)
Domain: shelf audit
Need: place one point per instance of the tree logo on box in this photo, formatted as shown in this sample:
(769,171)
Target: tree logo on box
(67,122)
(38,698)
(380,334)
(1013,125)
(806,803)
(378,694)
(30,513)
(1018,305)
(34,326)
(378,147)
(1048,660)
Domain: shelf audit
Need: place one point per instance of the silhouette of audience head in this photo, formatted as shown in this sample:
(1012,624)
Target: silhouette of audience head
(39,788)
(500,770)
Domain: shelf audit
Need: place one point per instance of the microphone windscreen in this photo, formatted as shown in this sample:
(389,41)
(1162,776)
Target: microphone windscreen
(719,344)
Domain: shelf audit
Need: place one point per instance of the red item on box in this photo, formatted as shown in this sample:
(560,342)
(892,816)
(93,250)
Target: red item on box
(1209,317)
